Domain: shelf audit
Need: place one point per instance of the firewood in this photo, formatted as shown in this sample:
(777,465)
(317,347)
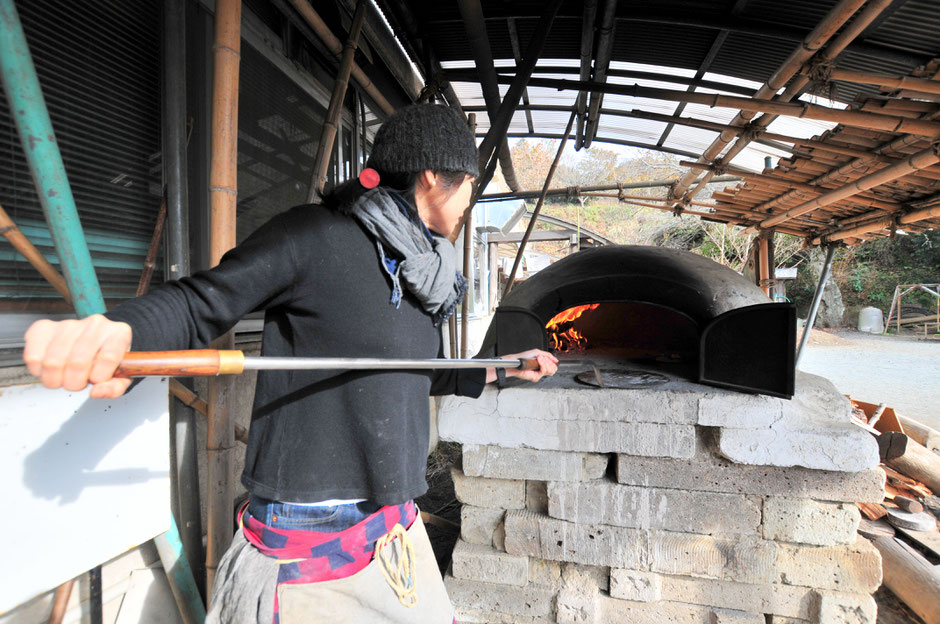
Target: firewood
(910,577)
(872,511)
(910,458)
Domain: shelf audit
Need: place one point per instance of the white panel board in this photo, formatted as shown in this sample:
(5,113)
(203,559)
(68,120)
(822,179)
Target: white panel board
(83,481)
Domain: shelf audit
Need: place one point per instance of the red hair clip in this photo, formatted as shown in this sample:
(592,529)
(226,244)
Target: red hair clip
(369,178)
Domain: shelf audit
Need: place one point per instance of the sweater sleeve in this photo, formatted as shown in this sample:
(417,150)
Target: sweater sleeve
(191,312)
(460,381)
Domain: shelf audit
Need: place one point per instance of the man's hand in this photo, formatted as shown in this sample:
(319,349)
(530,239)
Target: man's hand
(548,364)
(72,354)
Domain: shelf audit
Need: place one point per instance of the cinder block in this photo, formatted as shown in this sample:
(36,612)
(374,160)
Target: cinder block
(478,524)
(603,502)
(645,439)
(771,599)
(479,616)
(536,496)
(809,522)
(575,607)
(614,611)
(847,609)
(577,575)
(544,572)
(637,586)
(675,404)
(539,536)
(726,616)
(727,409)
(855,568)
(743,559)
(836,446)
(473,562)
(714,474)
(523,463)
(494,493)
(528,601)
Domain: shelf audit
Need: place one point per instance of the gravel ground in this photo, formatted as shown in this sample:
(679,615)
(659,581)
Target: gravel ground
(902,372)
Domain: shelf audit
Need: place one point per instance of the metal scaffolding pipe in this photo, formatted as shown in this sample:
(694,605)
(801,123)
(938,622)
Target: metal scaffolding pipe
(472,14)
(577,190)
(331,123)
(910,164)
(538,206)
(605,45)
(587,49)
(817,297)
(28,109)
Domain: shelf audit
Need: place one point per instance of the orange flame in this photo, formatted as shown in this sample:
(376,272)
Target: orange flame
(568,339)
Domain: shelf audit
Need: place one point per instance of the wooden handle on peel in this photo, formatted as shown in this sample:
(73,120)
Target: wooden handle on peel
(196,363)
(528,364)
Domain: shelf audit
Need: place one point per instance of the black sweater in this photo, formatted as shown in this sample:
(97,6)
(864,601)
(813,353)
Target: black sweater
(315,435)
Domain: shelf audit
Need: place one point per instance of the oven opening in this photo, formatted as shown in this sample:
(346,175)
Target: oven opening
(645,334)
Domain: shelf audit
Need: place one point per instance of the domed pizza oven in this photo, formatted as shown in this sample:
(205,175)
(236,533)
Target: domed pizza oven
(657,309)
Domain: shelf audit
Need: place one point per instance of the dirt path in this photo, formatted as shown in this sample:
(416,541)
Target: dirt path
(902,372)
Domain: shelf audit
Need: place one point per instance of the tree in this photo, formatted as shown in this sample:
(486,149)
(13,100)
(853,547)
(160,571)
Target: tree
(532,159)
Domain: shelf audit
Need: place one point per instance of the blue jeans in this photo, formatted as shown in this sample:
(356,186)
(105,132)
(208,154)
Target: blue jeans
(330,519)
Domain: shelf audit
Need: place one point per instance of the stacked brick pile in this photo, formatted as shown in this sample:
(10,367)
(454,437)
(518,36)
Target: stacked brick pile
(676,504)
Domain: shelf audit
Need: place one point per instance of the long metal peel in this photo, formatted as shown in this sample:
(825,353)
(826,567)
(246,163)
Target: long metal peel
(211,362)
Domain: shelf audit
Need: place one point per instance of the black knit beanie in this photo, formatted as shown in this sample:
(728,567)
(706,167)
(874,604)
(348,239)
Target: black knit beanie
(424,136)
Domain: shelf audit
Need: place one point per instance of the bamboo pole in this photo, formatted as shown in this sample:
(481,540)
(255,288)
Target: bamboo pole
(575,191)
(884,80)
(223,201)
(150,261)
(331,123)
(813,41)
(587,47)
(605,45)
(773,180)
(336,47)
(817,298)
(763,262)
(61,601)
(538,206)
(34,256)
(877,223)
(920,160)
(911,577)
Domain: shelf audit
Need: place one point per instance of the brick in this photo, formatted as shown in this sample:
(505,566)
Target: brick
(855,568)
(614,611)
(575,607)
(714,474)
(585,576)
(544,572)
(743,559)
(536,535)
(776,599)
(836,446)
(494,493)
(523,463)
(528,601)
(536,496)
(637,585)
(603,502)
(809,522)
(474,562)
(672,403)
(478,524)
(479,616)
(738,410)
(645,439)
(847,609)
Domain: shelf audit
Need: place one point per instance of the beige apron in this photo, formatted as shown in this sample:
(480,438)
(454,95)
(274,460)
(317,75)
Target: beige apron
(400,585)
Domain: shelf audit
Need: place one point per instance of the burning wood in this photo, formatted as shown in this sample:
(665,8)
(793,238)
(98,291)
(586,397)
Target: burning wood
(565,338)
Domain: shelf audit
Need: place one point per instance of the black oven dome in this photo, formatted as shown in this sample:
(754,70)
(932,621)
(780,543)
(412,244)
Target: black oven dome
(746,342)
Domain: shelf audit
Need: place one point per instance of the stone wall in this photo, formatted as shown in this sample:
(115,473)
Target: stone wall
(680,504)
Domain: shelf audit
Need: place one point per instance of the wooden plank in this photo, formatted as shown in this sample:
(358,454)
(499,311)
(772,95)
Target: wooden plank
(929,540)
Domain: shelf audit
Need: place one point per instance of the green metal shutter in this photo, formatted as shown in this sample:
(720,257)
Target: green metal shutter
(99,66)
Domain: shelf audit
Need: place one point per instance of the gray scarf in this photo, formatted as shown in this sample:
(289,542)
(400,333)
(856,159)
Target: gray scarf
(428,265)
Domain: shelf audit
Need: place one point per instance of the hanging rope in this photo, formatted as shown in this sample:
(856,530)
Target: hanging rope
(400,574)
